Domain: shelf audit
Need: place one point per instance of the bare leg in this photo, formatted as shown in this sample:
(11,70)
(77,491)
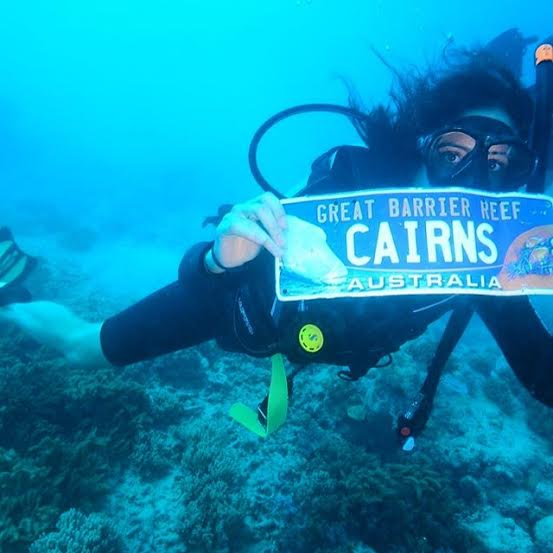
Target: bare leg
(57,327)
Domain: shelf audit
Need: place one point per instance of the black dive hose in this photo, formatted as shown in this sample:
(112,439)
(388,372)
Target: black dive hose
(284,114)
(413,421)
(542,135)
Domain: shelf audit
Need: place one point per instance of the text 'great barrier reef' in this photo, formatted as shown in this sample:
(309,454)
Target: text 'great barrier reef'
(416,241)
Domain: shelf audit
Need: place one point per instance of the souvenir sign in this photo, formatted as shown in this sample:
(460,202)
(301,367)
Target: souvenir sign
(416,241)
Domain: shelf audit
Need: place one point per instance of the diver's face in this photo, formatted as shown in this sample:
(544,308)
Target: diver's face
(479,149)
(462,144)
(454,147)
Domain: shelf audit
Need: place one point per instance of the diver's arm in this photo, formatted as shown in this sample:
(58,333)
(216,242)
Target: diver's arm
(524,340)
(183,314)
(57,327)
(190,310)
(177,316)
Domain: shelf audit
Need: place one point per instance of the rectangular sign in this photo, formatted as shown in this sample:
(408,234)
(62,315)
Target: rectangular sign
(416,241)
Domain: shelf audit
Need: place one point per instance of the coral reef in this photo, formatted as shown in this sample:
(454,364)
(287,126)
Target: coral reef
(152,448)
(64,434)
(78,533)
(214,502)
(27,504)
(346,491)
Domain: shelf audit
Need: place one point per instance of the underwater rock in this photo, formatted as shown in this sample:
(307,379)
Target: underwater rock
(357,412)
(146,514)
(455,385)
(482,450)
(543,495)
(500,475)
(308,255)
(502,534)
(362,548)
(543,532)
(518,504)
(470,489)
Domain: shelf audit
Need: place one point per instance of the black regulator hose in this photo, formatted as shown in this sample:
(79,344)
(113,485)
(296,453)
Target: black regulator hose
(352,113)
(542,135)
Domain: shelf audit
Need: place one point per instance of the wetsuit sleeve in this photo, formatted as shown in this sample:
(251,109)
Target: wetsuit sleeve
(524,340)
(178,316)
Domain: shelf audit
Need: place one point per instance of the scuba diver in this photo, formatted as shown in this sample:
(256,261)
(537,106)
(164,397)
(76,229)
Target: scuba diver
(447,129)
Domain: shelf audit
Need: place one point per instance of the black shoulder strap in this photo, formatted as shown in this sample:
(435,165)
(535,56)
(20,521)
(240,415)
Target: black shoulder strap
(414,419)
(342,168)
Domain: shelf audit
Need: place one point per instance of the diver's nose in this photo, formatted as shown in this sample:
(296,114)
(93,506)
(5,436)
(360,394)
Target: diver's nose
(473,174)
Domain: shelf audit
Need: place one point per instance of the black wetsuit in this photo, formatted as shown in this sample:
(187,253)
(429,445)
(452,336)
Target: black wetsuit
(239,310)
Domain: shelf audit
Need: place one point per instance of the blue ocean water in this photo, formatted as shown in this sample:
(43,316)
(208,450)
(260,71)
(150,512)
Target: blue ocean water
(132,120)
(122,125)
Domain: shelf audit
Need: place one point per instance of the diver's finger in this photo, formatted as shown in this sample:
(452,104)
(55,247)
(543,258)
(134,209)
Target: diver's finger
(276,207)
(263,214)
(250,230)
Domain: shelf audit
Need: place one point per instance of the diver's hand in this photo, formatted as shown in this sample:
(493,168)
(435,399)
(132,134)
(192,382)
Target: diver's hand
(256,224)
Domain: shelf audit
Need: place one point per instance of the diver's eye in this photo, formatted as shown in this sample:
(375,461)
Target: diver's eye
(495,166)
(451,154)
(452,147)
(498,157)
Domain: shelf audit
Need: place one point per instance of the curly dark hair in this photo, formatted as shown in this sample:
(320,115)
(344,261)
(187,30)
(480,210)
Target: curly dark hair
(424,101)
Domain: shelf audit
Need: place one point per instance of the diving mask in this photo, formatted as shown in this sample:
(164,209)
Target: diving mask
(477,152)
